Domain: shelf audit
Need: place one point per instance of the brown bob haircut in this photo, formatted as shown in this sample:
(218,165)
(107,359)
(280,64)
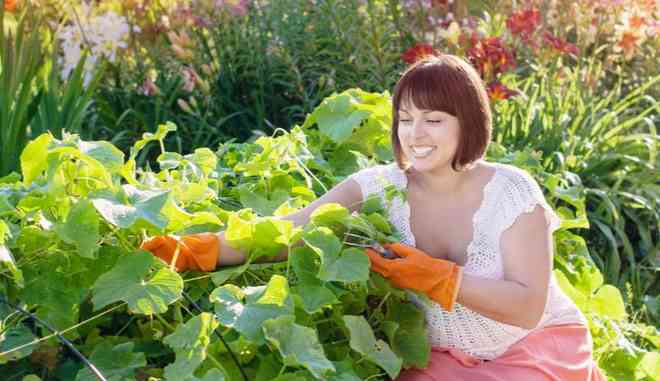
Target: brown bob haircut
(449,84)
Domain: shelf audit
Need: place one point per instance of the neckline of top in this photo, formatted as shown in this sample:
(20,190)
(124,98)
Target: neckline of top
(484,194)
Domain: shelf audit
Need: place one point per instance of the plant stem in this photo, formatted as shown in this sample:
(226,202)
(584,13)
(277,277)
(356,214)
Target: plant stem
(379,305)
(164,322)
(216,363)
(37,341)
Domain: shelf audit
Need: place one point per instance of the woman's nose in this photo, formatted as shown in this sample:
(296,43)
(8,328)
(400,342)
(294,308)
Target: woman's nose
(417,129)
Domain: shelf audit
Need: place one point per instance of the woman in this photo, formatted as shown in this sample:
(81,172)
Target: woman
(477,239)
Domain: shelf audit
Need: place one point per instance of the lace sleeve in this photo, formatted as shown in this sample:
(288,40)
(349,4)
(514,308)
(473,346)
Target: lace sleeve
(521,195)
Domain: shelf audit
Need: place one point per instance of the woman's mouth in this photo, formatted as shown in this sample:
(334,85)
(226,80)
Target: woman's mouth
(422,151)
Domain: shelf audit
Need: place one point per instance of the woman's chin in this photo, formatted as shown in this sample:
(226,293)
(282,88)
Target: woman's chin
(429,164)
(425,164)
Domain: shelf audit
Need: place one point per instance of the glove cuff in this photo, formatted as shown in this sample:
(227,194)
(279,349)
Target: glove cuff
(445,292)
(202,251)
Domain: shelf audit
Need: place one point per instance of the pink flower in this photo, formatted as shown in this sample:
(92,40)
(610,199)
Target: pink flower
(149,88)
(418,52)
(190,77)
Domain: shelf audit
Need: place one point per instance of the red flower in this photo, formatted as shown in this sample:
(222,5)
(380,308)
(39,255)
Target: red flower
(418,52)
(497,91)
(524,23)
(10,5)
(559,44)
(490,57)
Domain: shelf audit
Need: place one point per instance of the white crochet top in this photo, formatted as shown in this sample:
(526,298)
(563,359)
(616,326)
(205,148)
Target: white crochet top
(509,193)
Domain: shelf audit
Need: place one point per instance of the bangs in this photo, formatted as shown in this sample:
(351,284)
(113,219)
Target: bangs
(429,87)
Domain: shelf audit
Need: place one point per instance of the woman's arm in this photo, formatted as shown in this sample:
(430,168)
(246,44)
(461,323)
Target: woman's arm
(520,298)
(347,193)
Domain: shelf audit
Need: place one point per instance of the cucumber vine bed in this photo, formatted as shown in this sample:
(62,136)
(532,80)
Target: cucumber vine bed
(71,224)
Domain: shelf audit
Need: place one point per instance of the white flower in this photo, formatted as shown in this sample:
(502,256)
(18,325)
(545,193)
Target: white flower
(102,34)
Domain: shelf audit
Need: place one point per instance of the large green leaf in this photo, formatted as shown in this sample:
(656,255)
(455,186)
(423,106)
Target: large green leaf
(408,340)
(190,342)
(105,153)
(310,291)
(131,206)
(608,302)
(337,116)
(350,265)
(239,233)
(364,342)
(591,296)
(81,228)
(329,214)
(33,158)
(245,310)
(116,363)
(271,236)
(56,285)
(649,367)
(142,281)
(298,345)
(345,371)
(252,198)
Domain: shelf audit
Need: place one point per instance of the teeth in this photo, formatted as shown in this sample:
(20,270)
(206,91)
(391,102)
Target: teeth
(421,151)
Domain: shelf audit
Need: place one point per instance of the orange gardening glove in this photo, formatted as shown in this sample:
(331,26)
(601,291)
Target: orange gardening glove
(438,278)
(198,251)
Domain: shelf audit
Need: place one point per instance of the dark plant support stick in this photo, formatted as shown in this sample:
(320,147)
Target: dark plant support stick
(66,342)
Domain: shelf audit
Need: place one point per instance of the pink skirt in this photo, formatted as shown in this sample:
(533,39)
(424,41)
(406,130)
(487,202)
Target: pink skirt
(555,353)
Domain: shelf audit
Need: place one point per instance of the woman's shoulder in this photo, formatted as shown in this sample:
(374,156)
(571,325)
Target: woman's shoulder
(516,179)
(519,192)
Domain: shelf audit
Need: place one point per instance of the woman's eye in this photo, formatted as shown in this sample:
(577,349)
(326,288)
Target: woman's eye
(405,120)
(434,121)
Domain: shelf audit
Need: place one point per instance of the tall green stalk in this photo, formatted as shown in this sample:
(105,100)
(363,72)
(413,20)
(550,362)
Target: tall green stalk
(21,60)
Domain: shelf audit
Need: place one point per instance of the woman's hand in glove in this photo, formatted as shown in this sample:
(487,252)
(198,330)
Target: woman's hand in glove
(440,279)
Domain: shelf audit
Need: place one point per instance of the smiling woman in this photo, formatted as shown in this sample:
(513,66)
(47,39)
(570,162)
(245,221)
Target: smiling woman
(503,316)
(476,239)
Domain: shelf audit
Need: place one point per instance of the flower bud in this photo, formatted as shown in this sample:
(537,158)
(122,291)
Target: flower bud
(184,105)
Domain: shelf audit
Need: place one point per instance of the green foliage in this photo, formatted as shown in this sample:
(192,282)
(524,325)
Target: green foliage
(298,345)
(116,363)
(262,71)
(364,342)
(190,342)
(131,281)
(319,315)
(34,99)
(21,60)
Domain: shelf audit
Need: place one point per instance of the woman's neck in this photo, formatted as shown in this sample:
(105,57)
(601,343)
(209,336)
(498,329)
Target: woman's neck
(442,181)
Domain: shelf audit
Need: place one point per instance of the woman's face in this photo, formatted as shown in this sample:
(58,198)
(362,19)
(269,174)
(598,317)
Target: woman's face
(428,138)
